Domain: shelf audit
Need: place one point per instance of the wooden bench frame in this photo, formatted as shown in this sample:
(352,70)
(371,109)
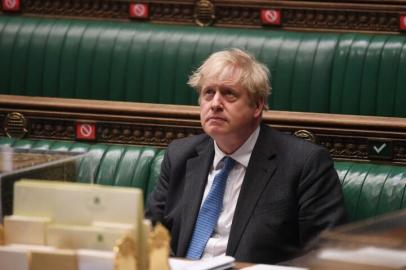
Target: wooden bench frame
(348,137)
(376,16)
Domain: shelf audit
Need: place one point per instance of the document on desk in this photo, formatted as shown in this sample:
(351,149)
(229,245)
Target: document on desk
(215,263)
(375,256)
(272,267)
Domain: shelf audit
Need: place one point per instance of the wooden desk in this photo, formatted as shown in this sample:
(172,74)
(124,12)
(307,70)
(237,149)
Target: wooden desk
(387,232)
(241,265)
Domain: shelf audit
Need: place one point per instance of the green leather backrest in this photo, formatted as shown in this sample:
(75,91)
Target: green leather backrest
(315,72)
(369,189)
(117,165)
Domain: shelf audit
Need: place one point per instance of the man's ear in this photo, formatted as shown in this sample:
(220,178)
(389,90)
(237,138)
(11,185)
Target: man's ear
(259,107)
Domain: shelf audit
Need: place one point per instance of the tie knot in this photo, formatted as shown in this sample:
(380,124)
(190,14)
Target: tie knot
(228,163)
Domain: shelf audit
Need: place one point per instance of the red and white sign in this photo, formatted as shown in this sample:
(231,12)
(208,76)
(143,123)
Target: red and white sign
(271,16)
(402,22)
(11,5)
(85,131)
(139,10)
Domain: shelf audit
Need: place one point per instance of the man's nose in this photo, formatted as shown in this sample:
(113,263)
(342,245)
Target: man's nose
(217,101)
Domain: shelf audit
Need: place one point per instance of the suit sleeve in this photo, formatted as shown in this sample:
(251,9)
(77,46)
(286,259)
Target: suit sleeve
(321,204)
(157,200)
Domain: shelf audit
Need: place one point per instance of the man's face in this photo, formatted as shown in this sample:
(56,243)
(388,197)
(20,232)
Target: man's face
(226,111)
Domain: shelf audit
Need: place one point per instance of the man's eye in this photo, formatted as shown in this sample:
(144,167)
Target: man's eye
(229,93)
(208,92)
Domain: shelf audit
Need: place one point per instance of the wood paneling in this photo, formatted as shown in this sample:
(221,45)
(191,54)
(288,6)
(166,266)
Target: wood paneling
(346,136)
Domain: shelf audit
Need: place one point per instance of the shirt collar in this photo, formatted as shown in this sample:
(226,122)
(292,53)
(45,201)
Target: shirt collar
(241,155)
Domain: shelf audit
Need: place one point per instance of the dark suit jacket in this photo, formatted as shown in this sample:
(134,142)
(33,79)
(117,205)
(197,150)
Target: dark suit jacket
(290,193)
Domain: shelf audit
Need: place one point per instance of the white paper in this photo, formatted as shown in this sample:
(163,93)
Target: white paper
(28,248)
(272,267)
(15,256)
(215,263)
(25,230)
(92,259)
(77,203)
(369,255)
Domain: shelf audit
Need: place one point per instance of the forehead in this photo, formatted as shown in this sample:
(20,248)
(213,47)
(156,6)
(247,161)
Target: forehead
(228,76)
(221,85)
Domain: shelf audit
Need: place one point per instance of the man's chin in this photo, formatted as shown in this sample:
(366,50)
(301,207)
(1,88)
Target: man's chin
(214,131)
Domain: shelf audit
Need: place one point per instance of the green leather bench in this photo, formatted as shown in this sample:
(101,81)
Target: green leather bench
(118,165)
(372,189)
(314,72)
(369,189)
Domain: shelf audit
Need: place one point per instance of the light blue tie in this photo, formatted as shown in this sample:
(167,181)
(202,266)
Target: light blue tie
(209,212)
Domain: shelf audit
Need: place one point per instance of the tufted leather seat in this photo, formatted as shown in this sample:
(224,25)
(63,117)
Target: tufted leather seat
(369,189)
(315,72)
(131,166)
(372,189)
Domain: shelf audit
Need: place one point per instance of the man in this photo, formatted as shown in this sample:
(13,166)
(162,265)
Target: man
(280,191)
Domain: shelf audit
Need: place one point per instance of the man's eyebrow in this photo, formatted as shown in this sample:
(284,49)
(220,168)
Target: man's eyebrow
(207,86)
(228,88)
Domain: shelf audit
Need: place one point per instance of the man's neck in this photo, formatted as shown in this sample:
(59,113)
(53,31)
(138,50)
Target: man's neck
(229,144)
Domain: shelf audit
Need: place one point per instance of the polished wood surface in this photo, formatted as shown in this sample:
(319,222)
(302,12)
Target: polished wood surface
(241,265)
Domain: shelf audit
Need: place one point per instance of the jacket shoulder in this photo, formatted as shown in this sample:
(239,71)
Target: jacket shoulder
(187,146)
(287,144)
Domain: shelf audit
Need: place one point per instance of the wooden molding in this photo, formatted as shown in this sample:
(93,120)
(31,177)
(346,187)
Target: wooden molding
(347,137)
(376,16)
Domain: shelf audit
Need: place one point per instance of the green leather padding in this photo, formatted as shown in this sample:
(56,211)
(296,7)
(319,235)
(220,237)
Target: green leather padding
(116,165)
(369,189)
(131,61)
(372,189)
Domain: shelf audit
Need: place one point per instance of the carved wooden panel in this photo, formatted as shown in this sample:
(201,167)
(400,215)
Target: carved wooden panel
(172,13)
(348,15)
(77,8)
(347,137)
(341,20)
(143,134)
(45,128)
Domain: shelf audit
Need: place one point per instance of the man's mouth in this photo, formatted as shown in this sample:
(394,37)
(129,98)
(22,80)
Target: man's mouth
(216,118)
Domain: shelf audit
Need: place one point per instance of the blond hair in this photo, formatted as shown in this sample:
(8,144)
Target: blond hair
(250,74)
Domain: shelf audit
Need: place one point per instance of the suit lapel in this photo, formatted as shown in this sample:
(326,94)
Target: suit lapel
(259,171)
(197,170)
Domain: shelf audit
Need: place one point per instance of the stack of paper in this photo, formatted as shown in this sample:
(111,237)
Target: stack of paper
(25,230)
(215,263)
(272,267)
(16,257)
(52,221)
(77,204)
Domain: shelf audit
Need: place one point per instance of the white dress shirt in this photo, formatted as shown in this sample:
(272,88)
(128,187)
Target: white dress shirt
(217,243)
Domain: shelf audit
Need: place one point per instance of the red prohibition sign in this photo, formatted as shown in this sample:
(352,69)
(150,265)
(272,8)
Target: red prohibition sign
(11,3)
(271,15)
(139,10)
(86,130)
(403,22)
